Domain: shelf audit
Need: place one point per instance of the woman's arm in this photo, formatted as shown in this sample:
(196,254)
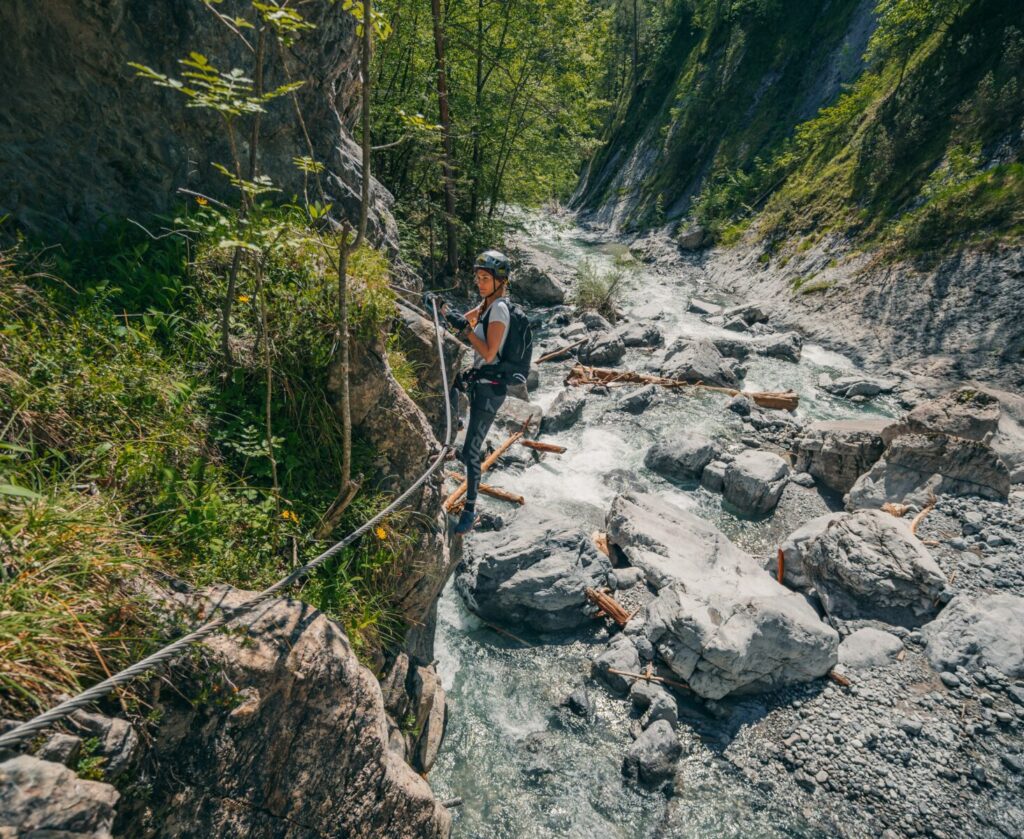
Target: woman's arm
(488,349)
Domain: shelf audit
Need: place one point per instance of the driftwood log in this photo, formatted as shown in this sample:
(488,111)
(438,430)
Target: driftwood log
(454,499)
(583,375)
(608,605)
(494,492)
(650,677)
(542,447)
(561,351)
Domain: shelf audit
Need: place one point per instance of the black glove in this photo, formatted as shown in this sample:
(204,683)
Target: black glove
(456,321)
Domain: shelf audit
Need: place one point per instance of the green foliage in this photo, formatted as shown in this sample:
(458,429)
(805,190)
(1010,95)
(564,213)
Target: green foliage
(596,290)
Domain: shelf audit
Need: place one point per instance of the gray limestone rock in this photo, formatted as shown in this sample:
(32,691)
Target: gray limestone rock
(602,349)
(754,482)
(713,476)
(624,578)
(793,547)
(538,278)
(739,348)
(681,456)
(965,412)
(61,748)
(596,322)
(785,345)
(514,412)
(978,632)
(720,622)
(698,361)
(869,565)
(312,730)
(118,742)
(40,799)
(639,400)
(651,759)
(838,452)
(641,335)
(533,572)
(564,412)
(750,312)
(915,466)
(858,385)
(869,647)
(702,307)
(655,702)
(692,238)
(620,654)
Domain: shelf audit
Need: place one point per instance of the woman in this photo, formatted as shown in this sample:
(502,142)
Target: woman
(486,328)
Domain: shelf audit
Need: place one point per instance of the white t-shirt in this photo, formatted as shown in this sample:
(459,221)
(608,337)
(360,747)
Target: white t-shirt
(499,313)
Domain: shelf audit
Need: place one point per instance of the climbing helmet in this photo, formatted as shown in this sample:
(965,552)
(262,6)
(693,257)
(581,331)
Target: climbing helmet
(494,261)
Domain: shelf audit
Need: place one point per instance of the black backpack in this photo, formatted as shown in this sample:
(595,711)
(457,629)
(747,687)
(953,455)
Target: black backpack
(513,364)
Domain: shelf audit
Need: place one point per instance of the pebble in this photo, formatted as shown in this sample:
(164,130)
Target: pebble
(950,680)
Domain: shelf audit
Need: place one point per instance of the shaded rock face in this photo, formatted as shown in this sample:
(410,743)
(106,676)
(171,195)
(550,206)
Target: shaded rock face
(641,335)
(620,654)
(651,758)
(914,466)
(859,385)
(720,622)
(534,572)
(605,347)
(869,565)
(754,481)
(837,453)
(143,143)
(565,411)
(305,754)
(793,547)
(45,800)
(979,632)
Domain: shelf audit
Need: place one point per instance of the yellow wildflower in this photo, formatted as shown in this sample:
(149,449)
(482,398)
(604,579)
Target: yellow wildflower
(243,298)
(290,515)
(202,202)
(381,532)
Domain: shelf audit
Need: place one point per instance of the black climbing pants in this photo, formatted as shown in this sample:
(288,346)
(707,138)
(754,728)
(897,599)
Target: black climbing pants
(484,401)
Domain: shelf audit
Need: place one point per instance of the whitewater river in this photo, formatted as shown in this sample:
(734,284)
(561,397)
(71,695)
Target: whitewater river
(524,767)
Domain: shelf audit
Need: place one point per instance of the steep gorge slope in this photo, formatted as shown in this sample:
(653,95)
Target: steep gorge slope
(851,158)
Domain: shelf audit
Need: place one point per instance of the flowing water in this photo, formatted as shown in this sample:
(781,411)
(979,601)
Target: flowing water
(523,766)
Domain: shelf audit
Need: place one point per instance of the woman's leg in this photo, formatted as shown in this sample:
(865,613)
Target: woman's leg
(485,401)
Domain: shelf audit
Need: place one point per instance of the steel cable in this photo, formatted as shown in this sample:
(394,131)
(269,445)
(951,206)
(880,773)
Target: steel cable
(27,729)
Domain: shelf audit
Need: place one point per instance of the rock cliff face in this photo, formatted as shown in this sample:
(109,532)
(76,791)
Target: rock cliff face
(66,67)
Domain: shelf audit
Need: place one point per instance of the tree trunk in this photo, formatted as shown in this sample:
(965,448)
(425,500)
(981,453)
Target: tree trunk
(446,140)
(364,197)
(346,410)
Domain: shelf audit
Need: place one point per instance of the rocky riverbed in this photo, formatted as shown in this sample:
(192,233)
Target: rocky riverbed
(920,616)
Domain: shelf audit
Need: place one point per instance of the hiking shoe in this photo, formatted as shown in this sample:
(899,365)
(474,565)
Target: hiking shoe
(465,523)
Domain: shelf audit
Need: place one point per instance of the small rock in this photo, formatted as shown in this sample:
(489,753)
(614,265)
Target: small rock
(61,748)
(651,758)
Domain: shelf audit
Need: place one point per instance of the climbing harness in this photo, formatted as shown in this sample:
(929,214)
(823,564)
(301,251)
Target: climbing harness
(22,732)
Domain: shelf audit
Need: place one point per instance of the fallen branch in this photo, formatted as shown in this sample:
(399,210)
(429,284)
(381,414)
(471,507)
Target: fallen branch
(561,351)
(781,568)
(501,631)
(601,541)
(542,447)
(492,458)
(609,606)
(839,678)
(582,375)
(494,492)
(650,678)
(894,509)
(333,516)
(925,510)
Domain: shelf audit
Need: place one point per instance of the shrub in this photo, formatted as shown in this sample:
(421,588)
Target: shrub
(596,290)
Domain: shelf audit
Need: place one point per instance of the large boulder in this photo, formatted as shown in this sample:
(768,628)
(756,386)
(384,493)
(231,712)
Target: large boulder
(539,278)
(754,482)
(564,412)
(641,335)
(837,453)
(869,565)
(784,345)
(639,400)
(720,622)
(1008,441)
(514,413)
(965,412)
(698,361)
(306,743)
(40,799)
(750,312)
(793,547)
(533,572)
(603,348)
(651,759)
(619,655)
(916,466)
(692,238)
(976,632)
(681,455)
